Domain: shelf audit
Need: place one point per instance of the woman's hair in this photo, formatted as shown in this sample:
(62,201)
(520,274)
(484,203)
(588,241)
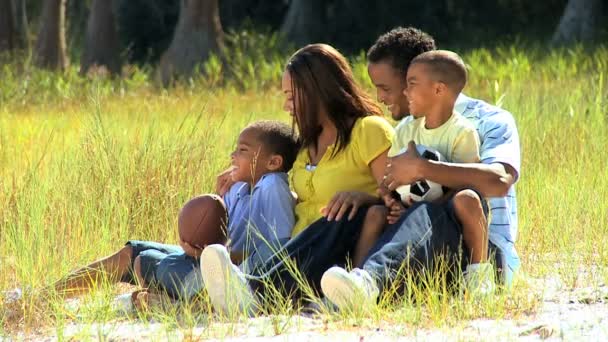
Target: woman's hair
(322,79)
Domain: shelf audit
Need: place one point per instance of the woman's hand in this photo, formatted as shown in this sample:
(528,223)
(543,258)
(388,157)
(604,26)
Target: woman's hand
(190,250)
(345,200)
(224,182)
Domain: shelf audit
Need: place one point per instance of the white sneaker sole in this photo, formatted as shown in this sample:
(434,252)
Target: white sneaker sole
(227,290)
(213,265)
(338,288)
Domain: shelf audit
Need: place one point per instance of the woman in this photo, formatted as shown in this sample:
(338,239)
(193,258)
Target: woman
(341,163)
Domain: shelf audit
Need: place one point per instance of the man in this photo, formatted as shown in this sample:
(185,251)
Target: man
(426,227)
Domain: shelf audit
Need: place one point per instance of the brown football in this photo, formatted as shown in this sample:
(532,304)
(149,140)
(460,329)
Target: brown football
(202,221)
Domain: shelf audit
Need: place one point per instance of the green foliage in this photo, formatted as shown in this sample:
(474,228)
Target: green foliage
(86,164)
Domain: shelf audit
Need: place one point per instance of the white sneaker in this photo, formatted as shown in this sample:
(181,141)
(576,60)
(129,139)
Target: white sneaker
(225,283)
(349,291)
(123,304)
(479,280)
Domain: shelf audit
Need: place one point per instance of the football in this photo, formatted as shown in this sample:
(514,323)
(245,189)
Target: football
(202,221)
(423,190)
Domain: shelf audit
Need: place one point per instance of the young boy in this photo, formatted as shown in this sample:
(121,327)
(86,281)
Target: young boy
(434,81)
(260,210)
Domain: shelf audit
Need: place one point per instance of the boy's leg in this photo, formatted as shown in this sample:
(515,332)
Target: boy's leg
(179,275)
(374,222)
(114,268)
(469,212)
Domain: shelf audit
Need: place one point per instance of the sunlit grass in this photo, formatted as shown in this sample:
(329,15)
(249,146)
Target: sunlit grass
(87,164)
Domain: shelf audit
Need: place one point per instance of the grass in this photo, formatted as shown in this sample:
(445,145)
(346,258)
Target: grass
(86,164)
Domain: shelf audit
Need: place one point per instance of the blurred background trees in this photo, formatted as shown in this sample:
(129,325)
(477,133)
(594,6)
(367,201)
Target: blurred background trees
(109,33)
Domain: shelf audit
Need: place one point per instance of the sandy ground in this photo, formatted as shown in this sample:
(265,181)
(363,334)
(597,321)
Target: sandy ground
(577,315)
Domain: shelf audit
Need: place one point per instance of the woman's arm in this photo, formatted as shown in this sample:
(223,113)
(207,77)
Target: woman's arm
(353,200)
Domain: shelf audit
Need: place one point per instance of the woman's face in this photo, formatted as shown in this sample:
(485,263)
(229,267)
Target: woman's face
(288,91)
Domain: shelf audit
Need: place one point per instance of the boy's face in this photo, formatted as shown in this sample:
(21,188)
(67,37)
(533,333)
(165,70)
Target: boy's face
(390,84)
(421,90)
(249,160)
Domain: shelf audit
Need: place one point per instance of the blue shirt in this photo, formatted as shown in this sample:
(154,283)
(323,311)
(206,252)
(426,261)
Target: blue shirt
(499,144)
(261,217)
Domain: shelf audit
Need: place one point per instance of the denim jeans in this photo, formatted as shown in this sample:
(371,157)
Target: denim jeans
(425,236)
(320,246)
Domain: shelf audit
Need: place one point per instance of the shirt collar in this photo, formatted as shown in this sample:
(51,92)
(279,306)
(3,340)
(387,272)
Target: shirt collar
(244,189)
(461,103)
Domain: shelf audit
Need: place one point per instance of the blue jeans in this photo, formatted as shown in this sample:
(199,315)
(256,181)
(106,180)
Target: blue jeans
(417,241)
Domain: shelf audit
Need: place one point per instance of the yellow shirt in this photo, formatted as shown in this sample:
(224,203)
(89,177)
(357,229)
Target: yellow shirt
(457,139)
(348,170)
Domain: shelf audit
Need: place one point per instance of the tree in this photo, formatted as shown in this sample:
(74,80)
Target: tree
(50,50)
(305,22)
(101,47)
(578,22)
(8,32)
(21,24)
(198,34)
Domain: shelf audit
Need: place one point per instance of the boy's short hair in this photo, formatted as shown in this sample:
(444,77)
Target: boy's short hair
(399,46)
(278,138)
(446,67)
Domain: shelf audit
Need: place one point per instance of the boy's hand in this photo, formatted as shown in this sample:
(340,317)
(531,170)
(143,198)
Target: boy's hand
(224,182)
(387,196)
(394,212)
(396,208)
(192,251)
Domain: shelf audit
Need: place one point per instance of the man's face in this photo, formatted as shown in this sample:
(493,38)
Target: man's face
(390,84)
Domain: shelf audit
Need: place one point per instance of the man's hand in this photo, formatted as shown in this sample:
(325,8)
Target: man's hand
(224,182)
(403,168)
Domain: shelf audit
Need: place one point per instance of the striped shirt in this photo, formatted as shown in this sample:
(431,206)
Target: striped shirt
(499,144)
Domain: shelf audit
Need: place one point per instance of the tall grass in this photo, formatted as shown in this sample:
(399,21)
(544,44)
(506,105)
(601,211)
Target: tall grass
(86,164)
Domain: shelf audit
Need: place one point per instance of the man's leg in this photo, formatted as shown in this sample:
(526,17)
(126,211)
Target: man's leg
(423,233)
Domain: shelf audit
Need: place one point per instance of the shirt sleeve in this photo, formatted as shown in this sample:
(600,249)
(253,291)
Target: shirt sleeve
(500,142)
(276,217)
(466,147)
(372,137)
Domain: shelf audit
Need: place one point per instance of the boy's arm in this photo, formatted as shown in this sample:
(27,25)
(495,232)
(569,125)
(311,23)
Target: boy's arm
(491,180)
(277,212)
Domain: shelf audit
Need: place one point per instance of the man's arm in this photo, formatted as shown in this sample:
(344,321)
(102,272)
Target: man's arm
(491,180)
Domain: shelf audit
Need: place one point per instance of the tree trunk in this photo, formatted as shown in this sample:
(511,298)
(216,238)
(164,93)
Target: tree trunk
(21,24)
(50,51)
(578,22)
(305,22)
(101,47)
(198,33)
(8,34)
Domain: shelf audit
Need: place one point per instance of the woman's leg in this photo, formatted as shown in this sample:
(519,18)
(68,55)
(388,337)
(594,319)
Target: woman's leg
(299,264)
